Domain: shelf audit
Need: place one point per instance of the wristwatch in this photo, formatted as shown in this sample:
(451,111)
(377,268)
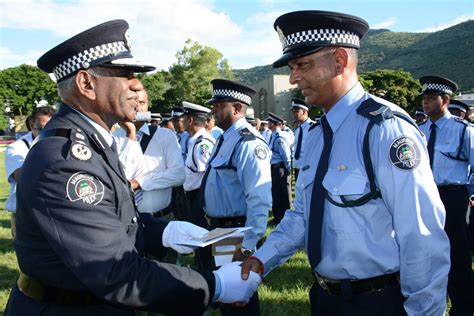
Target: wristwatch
(247,252)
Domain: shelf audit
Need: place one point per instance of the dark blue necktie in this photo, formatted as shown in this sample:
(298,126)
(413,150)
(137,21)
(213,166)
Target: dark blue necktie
(431,143)
(220,141)
(317,198)
(298,145)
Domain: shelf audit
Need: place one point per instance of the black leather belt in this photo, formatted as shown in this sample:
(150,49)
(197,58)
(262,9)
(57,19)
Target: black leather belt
(167,210)
(451,187)
(278,165)
(226,222)
(356,287)
(48,294)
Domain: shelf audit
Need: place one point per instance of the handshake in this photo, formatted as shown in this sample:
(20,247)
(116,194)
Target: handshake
(236,282)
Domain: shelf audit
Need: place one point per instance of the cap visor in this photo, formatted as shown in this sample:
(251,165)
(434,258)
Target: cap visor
(129,63)
(296,53)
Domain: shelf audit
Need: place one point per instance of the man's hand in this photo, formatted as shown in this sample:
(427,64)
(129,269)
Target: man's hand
(178,231)
(135,185)
(130,130)
(233,288)
(251,264)
(238,256)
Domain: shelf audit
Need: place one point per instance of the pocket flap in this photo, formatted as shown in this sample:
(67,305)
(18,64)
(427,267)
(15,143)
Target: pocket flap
(346,183)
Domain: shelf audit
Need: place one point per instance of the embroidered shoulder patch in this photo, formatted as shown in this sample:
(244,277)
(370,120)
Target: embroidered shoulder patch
(204,150)
(260,152)
(404,153)
(85,188)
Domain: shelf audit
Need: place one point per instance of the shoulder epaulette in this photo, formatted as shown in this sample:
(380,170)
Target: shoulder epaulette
(247,134)
(460,120)
(313,125)
(373,110)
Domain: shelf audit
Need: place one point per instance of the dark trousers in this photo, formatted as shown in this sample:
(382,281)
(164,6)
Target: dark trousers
(253,306)
(196,216)
(178,202)
(280,196)
(455,200)
(387,302)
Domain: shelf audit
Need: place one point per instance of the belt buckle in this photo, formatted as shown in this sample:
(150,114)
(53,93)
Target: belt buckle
(322,283)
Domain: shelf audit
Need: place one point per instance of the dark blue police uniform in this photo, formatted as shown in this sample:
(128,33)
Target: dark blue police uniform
(81,242)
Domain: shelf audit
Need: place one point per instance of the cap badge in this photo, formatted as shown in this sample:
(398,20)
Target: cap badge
(127,40)
(281,36)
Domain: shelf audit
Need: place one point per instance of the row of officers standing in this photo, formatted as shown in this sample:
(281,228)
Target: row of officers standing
(92,233)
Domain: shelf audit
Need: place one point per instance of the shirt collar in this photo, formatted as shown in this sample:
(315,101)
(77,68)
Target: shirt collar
(441,122)
(102,131)
(234,127)
(145,129)
(344,106)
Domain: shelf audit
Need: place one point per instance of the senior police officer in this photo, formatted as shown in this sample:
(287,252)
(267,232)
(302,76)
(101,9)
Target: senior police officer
(80,240)
(237,185)
(451,150)
(366,206)
(300,114)
(281,166)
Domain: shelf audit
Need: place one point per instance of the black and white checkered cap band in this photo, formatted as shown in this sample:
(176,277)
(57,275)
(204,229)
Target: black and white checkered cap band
(334,36)
(78,61)
(233,94)
(437,87)
(455,106)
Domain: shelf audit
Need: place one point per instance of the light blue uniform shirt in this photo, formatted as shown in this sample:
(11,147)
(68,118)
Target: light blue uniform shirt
(239,181)
(449,129)
(279,145)
(303,127)
(402,231)
(183,139)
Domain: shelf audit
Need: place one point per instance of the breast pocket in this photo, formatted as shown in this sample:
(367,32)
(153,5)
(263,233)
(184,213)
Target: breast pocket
(345,186)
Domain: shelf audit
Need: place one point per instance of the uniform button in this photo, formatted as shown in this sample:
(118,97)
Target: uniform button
(335,189)
(134,219)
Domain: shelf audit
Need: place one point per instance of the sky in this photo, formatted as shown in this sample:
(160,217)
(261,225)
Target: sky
(242,30)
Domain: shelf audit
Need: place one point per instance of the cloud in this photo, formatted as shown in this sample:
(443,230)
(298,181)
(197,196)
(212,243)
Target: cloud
(10,59)
(439,27)
(385,24)
(157,29)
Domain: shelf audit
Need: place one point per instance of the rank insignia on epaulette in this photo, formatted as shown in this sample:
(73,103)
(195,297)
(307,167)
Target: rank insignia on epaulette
(80,151)
(245,132)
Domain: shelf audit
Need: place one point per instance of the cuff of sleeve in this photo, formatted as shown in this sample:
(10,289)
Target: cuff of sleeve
(217,289)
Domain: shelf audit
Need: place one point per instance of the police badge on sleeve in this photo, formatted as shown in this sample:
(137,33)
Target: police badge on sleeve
(404,153)
(85,188)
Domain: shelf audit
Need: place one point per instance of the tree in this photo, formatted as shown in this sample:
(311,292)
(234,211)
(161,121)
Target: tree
(396,86)
(197,65)
(23,86)
(156,86)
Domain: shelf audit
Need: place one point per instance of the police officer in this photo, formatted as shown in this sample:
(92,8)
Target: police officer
(300,115)
(281,166)
(16,152)
(200,146)
(265,131)
(459,109)
(366,206)
(80,241)
(419,116)
(236,186)
(451,149)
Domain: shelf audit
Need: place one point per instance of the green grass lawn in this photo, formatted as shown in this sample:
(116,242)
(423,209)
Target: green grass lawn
(283,292)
